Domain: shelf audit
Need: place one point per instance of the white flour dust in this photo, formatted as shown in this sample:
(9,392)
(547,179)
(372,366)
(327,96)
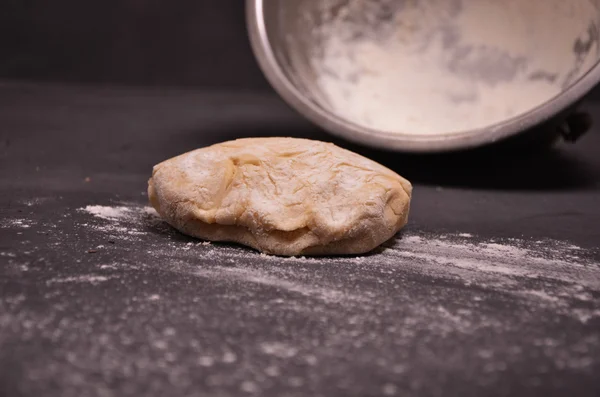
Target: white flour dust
(17,223)
(513,257)
(120,221)
(549,272)
(110,213)
(454,300)
(549,259)
(35,201)
(438,66)
(92,279)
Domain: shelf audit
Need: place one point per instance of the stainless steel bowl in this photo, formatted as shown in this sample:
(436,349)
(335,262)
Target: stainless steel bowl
(559,48)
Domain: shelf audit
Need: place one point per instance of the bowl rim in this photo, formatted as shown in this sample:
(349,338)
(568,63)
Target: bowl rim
(415,143)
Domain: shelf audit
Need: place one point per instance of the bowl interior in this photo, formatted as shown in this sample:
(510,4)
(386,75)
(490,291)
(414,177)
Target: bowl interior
(432,66)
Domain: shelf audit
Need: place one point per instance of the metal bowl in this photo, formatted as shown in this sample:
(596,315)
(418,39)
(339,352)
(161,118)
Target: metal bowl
(453,74)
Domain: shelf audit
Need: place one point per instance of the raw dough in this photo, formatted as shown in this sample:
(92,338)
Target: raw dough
(281,196)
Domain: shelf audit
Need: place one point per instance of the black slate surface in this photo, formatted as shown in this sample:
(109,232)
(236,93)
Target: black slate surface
(92,307)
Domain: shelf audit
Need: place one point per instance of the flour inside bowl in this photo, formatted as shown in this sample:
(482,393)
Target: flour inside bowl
(443,67)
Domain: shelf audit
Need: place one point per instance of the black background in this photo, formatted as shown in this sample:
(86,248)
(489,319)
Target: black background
(132,42)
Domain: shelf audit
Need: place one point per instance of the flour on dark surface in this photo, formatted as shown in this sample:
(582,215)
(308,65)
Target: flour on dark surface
(425,309)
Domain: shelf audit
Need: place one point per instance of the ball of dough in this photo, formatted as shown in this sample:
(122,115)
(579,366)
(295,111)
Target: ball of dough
(282,196)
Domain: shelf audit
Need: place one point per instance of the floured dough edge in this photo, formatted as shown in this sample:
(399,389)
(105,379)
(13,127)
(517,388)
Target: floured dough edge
(288,243)
(362,238)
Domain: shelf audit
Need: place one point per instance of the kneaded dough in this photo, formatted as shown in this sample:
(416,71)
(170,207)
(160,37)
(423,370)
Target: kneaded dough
(282,196)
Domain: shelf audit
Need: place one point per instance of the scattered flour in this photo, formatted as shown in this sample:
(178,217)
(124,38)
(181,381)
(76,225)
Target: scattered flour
(403,305)
(548,273)
(550,260)
(278,349)
(16,223)
(110,213)
(390,65)
(123,221)
(92,279)
(256,276)
(35,201)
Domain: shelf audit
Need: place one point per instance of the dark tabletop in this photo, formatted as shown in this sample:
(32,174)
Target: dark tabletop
(110,307)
